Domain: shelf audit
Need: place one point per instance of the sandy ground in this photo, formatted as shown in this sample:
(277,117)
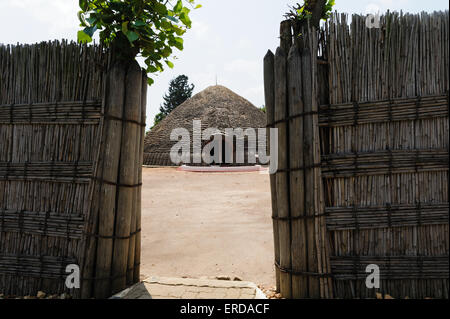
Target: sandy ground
(207,224)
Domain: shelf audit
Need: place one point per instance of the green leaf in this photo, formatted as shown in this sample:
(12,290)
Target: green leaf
(81,18)
(166,25)
(139,23)
(178,7)
(83,37)
(178,30)
(170,64)
(179,43)
(185,10)
(90,31)
(184,17)
(84,5)
(91,20)
(151,69)
(173,19)
(132,36)
(150,81)
(166,52)
(160,8)
(125,26)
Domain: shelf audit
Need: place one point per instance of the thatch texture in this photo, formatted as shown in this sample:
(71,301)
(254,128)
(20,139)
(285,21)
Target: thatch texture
(216,106)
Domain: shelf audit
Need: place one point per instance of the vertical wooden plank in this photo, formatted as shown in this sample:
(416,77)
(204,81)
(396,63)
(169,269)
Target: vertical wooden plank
(310,190)
(282,184)
(114,104)
(320,224)
(137,254)
(285,36)
(299,251)
(136,197)
(269,91)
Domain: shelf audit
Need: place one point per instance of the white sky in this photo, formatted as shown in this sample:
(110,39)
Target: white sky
(229,38)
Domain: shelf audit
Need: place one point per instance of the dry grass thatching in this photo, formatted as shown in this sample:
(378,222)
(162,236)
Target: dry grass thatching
(216,106)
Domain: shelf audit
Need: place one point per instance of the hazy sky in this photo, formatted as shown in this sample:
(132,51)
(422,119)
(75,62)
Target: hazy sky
(229,38)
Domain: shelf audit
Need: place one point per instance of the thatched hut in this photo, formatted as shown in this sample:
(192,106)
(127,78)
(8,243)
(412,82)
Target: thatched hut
(216,107)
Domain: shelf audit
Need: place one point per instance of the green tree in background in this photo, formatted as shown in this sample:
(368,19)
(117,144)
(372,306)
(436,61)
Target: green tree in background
(158,118)
(179,91)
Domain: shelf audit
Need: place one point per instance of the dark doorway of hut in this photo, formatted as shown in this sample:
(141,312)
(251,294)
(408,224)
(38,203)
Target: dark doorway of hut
(223,154)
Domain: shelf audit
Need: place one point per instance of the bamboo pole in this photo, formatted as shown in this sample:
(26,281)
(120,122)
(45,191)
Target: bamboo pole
(137,254)
(135,210)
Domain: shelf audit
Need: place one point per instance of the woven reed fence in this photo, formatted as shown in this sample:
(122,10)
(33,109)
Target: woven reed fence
(363,157)
(59,171)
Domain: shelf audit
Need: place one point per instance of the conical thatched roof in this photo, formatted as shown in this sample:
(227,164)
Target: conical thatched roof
(216,106)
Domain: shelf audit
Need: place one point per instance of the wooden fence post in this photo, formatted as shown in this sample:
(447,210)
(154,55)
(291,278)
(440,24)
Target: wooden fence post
(299,253)
(286,36)
(137,191)
(127,177)
(318,259)
(137,253)
(282,175)
(113,239)
(269,91)
(301,246)
(109,162)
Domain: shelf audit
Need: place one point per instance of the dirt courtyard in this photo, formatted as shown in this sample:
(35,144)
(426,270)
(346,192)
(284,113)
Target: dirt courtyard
(207,224)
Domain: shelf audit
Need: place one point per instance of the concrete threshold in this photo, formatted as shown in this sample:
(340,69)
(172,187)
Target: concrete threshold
(188,288)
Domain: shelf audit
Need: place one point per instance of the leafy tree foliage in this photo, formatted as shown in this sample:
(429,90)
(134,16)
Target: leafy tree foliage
(158,118)
(313,10)
(151,28)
